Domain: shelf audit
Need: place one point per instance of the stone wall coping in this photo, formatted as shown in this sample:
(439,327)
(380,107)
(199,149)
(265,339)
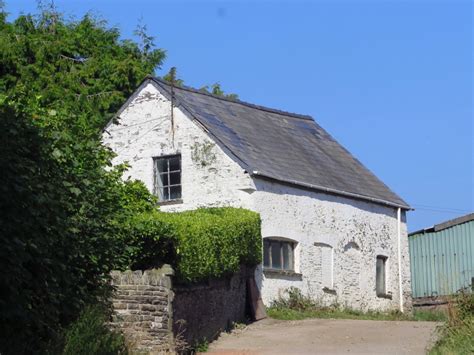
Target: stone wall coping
(153,277)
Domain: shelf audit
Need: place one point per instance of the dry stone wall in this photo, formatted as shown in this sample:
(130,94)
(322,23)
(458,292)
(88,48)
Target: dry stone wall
(142,304)
(156,316)
(202,312)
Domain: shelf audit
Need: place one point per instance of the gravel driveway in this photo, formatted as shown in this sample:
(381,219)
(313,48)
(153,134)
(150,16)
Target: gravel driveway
(327,336)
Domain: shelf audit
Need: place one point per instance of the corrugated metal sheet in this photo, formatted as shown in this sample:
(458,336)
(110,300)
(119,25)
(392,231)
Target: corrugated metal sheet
(442,261)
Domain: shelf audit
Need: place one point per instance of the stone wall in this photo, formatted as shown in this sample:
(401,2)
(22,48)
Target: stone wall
(156,316)
(142,304)
(203,311)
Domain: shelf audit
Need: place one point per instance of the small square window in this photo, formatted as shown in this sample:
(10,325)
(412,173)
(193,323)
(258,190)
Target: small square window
(167,172)
(278,254)
(380,275)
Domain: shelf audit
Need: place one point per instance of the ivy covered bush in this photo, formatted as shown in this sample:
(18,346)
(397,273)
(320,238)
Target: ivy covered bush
(63,207)
(200,244)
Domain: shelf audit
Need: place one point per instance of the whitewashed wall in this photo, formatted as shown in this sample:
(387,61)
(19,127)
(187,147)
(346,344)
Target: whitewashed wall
(352,232)
(144,131)
(357,231)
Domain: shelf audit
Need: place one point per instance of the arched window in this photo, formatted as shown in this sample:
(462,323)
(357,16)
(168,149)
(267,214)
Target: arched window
(278,254)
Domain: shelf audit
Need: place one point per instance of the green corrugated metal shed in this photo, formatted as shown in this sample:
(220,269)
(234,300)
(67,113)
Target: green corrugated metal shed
(442,257)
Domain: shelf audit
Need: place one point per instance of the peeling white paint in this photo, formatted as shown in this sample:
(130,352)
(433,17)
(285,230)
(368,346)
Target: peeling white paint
(144,132)
(357,231)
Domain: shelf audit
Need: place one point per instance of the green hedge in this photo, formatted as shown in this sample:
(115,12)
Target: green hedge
(200,244)
(150,241)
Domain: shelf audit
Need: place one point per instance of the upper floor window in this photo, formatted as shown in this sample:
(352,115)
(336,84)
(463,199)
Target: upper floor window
(167,170)
(278,254)
(380,275)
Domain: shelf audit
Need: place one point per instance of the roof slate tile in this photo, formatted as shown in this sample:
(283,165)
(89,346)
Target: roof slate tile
(288,147)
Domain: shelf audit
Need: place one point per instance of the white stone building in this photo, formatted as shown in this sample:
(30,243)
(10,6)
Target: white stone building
(330,227)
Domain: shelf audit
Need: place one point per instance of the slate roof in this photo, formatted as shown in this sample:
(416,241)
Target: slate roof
(282,146)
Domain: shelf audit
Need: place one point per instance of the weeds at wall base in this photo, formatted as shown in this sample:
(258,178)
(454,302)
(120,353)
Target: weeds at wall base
(297,306)
(347,313)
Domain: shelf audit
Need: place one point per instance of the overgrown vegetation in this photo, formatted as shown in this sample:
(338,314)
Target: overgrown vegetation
(457,334)
(201,346)
(297,306)
(68,219)
(90,335)
(63,207)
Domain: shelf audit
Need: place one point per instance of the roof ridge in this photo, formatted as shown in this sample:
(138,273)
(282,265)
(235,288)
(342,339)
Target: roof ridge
(237,101)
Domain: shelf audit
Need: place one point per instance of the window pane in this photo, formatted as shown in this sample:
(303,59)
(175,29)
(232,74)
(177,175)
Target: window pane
(291,253)
(380,276)
(158,181)
(266,253)
(175,178)
(287,253)
(159,192)
(162,165)
(175,192)
(166,194)
(276,255)
(174,163)
(164,179)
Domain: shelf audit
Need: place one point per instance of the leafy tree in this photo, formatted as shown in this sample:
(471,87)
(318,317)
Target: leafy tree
(64,208)
(34,218)
(79,67)
(66,213)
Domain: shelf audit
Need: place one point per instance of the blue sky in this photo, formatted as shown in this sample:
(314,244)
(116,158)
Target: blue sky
(390,80)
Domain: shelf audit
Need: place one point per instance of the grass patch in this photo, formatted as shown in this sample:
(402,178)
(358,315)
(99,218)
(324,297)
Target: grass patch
(429,316)
(456,339)
(345,313)
(297,306)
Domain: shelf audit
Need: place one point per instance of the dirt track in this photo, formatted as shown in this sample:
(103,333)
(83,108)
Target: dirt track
(327,336)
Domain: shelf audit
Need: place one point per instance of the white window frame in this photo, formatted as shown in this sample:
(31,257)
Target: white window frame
(163,191)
